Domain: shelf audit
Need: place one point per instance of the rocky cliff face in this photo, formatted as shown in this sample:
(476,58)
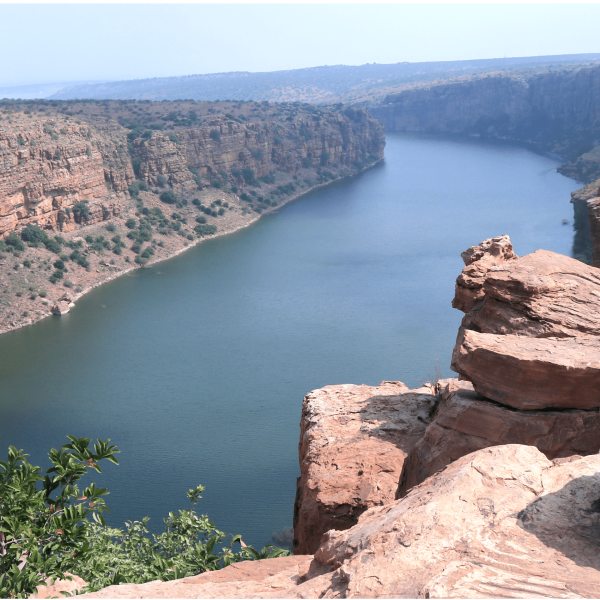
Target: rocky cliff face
(222,148)
(557,111)
(51,162)
(49,165)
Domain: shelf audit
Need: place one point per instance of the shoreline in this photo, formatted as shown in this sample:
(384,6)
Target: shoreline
(75,296)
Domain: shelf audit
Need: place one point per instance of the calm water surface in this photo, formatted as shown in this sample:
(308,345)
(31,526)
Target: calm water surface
(196,368)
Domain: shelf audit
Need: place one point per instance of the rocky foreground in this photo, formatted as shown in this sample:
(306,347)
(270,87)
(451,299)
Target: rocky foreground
(484,486)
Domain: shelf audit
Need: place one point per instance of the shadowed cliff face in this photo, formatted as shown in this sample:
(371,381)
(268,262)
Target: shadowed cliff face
(51,162)
(555,111)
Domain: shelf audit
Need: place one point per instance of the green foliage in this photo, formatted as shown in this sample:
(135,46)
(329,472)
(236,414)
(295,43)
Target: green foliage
(81,210)
(33,235)
(249,175)
(201,220)
(14,241)
(130,224)
(27,263)
(215,135)
(216,184)
(44,519)
(202,230)
(169,197)
(162,180)
(173,138)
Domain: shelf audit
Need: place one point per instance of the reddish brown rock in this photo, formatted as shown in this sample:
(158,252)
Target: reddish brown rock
(465,422)
(353,441)
(531,373)
(478,260)
(501,522)
(543,294)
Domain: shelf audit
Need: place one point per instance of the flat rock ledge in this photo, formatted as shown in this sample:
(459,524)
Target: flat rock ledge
(353,442)
(465,422)
(531,373)
(500,522)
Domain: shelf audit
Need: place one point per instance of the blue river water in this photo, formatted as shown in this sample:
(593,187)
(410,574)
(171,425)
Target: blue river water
(196,368)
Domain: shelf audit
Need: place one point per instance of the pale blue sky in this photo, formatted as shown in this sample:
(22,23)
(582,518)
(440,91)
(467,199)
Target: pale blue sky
(47,43)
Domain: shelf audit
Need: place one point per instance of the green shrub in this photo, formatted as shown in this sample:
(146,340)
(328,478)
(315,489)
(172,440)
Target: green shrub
(43,294)
(53,245)
(248,175)
(130,224)
(216,184)
(59,264)
(173,138)
(110,227)
(162,180)
(201,220)
(221,211)
(14,241)
(215,135)
(27,263)
(203,230)
(196,202)
(168,197)
(33,235)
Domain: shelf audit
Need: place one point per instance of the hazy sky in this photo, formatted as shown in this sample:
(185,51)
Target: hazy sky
(69,42)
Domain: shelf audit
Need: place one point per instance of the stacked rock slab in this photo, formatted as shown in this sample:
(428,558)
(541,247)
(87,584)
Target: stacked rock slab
(501,522)
(530,345)
(353,442)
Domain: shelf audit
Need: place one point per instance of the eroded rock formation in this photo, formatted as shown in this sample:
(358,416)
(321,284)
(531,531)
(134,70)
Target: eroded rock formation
(353,442)
(47,166)
(50,163)
(500,522)
(465,422)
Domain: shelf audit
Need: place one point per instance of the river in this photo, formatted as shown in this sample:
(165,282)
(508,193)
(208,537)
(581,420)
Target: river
(196,368)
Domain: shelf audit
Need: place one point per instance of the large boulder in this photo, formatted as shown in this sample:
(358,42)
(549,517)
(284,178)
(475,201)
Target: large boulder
(531,373)
(478,260)
(543,294)
(465,422)
(501,522)
(353,442)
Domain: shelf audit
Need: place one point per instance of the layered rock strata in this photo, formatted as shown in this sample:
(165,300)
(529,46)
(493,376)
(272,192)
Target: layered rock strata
(532,340)
(224,145)
(353,442)
(465,422)
(500,522)
(50,164)
(47,166)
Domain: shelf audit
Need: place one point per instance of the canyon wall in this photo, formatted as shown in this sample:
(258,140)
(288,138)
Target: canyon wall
(558,111)
(47,166)
(51,163)
(224,146)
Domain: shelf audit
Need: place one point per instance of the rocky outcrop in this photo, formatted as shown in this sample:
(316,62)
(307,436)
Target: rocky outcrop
(528,344)
(353,442)
(47,166)
(500,522)
(531,373)
(465,422)
(541,295)
(478,260)
(60,588)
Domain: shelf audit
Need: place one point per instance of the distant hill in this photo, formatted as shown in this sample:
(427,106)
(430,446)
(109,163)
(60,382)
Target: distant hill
(366,84)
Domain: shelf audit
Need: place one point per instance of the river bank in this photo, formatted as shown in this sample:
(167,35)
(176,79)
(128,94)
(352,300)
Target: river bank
(29,296)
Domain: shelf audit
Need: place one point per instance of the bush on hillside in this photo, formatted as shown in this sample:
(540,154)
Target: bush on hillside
(168,197)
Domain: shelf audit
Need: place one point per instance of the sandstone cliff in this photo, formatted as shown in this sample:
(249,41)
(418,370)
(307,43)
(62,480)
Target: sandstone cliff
(558,111)
(50,162)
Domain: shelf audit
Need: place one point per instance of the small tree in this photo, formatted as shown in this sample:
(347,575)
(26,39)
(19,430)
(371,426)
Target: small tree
(44,519)
(169,197)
